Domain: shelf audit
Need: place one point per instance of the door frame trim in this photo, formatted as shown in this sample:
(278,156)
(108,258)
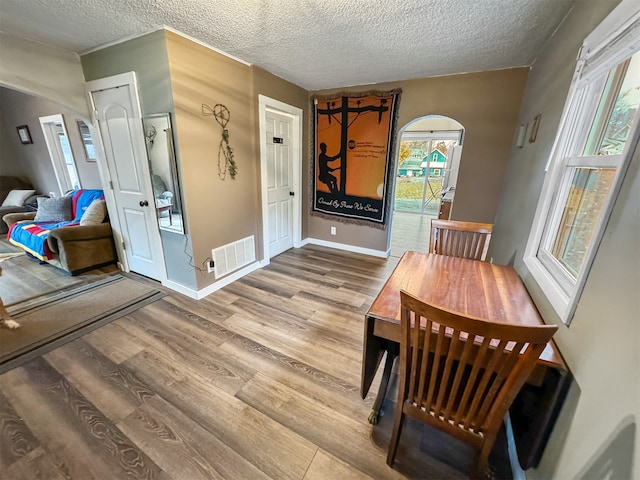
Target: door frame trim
(123,79)
(56,154)
(266,103)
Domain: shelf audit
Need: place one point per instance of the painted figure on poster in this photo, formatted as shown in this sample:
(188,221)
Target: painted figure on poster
(325,170)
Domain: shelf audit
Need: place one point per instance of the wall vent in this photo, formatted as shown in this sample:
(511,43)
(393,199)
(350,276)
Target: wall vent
(233,256)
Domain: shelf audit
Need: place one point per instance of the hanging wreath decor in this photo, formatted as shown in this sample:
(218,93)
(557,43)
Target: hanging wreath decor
(226,162)
(150,134)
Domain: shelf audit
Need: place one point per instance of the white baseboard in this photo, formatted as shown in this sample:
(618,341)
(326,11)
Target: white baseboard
(189,292)
(348,248)
(199,294)
(208,290)
(228,280)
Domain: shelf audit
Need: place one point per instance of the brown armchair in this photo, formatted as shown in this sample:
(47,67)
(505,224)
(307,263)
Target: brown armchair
(76,248)
(8,183)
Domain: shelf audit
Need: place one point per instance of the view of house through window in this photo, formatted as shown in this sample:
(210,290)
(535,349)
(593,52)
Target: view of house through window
(422,165)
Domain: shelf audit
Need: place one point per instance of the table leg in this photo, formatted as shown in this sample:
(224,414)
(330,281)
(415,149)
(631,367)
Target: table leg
(392,353)
(372,352)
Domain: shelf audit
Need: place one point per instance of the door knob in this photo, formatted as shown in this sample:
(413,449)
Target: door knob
(291,194)
(144,203)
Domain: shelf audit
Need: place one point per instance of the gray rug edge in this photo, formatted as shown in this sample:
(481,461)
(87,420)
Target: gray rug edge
(19,358)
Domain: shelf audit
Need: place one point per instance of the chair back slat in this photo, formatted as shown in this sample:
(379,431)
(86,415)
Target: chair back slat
(444,389)
(463,371)
(425,358)
(455,387)
(460,239)
(476,369)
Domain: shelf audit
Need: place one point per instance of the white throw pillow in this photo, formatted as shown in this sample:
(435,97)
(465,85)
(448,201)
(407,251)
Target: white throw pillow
(16,198)
(94,214)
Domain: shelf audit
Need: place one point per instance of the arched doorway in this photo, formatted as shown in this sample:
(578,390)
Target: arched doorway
(429,153)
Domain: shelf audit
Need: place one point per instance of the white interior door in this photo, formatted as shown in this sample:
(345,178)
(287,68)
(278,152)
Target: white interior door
(280,189)
(120,123)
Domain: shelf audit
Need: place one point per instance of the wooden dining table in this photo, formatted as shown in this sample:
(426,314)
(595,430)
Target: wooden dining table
(482,290)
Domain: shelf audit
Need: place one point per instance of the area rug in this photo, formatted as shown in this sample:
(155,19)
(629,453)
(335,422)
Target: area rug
(24,278)
(51,321)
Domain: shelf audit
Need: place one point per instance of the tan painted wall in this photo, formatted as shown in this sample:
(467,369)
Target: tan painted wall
(487,105)
(265,83)
(597,434)
(219,211)
(147,57)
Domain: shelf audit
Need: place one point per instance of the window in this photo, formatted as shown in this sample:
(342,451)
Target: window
(596,138)
(57,140)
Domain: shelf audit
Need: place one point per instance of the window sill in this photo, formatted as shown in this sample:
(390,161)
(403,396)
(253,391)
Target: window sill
(561,303)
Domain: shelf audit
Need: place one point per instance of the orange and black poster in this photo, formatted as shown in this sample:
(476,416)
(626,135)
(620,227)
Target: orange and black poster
(354,144)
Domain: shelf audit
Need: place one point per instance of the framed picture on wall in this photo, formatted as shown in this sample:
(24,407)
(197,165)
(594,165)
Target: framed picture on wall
(24,134)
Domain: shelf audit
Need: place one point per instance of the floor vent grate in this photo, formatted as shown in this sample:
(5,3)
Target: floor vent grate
(233,256)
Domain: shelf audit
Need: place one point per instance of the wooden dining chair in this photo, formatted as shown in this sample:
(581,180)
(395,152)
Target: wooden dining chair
(461,374)
(460,239)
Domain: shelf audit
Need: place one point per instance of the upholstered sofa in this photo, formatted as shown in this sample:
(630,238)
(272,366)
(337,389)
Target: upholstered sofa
(7,184)
(68,245)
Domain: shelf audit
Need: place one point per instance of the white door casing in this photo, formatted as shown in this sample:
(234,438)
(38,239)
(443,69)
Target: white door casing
(52,126)
(119,120)
(280,175)
(279,182)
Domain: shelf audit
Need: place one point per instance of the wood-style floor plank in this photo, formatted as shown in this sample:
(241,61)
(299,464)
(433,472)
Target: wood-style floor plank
(114,342)
(182,447)
(110,388)
(325,465)
(340,435)
(36,465)
(310,349)
(73,428)
(268,445)
(259,380)
(17,440)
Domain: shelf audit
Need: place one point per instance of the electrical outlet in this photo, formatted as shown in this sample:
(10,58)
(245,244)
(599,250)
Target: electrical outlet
(333,230)
(210,266)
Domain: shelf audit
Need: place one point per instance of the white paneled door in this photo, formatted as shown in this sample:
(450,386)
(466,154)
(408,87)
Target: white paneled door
(119,120)
(280,181)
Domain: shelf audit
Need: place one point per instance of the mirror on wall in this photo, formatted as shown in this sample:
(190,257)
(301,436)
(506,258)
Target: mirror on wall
(57,140)
(87,141)
(164,171)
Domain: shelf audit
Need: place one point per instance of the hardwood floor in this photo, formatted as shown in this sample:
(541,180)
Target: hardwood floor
(258,380)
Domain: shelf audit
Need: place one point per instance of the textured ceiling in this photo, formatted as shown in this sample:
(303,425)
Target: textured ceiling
(315,44)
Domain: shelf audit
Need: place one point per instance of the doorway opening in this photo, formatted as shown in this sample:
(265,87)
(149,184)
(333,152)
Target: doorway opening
(281,176)
(429,155)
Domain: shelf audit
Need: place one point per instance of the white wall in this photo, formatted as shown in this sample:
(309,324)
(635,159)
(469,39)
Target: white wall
(43,71)
(34,161)
(10,163)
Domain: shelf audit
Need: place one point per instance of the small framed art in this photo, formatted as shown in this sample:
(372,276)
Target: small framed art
(24,134)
